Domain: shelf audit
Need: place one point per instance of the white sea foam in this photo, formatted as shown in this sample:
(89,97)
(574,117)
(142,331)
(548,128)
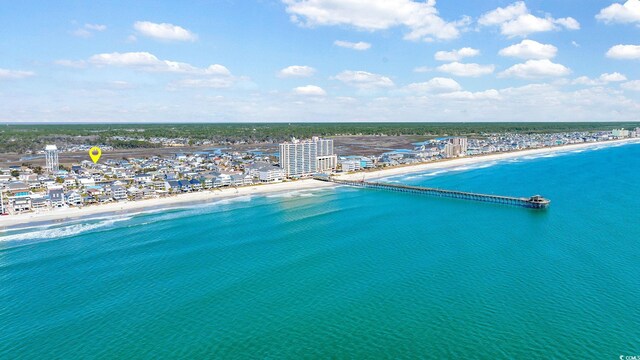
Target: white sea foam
(46,232)
(293,194)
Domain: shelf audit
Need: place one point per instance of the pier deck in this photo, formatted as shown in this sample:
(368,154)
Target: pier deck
(534,202)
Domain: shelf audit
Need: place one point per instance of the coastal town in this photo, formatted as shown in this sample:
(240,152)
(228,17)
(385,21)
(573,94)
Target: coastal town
(29,188)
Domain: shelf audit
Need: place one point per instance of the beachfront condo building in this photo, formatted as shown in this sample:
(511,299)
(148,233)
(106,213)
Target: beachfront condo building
(302,158)
(455,147)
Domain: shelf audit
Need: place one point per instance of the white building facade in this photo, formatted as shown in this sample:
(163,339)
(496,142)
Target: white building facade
(456,147)
(308,157)
(51,157)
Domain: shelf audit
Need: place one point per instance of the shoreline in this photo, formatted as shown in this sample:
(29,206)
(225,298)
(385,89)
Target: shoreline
(21,221)
(468,160)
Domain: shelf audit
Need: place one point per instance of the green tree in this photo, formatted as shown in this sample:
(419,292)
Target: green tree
(15,173)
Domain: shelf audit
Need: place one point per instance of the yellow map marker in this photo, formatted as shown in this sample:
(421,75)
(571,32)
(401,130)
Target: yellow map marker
(95,154)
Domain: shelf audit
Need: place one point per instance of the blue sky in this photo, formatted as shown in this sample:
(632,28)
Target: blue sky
(319,60)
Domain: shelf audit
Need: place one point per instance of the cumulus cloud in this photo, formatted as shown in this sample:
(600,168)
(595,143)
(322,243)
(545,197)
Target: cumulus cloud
(420,18)
(626,13)
(536,69)
(164,31)
(530,49)
(437,84)
(148,62)
(470,70)
(516,20)
(456,55)
(364,80)
(631,85)
(613,77)
(602,80)
(296,71)
(360,45)
(15,74)
(310,90)
(213,76)
(625,52)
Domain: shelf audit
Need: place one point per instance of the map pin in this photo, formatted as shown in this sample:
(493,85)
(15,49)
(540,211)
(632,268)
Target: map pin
(95,154)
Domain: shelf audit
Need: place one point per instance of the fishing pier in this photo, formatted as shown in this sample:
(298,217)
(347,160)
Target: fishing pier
(533,202)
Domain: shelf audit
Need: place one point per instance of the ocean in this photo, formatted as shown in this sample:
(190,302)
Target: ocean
(346,273)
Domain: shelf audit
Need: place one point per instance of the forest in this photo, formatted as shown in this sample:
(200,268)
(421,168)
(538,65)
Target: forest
(22,138)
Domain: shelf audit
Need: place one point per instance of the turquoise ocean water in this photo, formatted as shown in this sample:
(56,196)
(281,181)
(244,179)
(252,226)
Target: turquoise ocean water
(346,272)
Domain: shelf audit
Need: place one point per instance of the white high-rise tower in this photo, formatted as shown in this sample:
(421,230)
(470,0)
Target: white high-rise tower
(51,154)
(308,157)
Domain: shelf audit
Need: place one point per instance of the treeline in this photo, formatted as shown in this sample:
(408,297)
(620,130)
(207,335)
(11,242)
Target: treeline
(20,138)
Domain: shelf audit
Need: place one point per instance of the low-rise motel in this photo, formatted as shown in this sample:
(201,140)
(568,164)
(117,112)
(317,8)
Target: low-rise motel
(34,189)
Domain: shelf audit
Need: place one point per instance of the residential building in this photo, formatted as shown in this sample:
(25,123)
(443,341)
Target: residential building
(40,203)
(455,147)
(73,198)
(118,192)
(620,133)
(56,197)
(19,204)
(308,157)
(265,172)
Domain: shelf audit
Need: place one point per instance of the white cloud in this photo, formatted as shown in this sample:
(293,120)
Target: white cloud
(88,29)
(437,84)
(360,45)
(296,71)
(631,85)
(82,33)
(364,80)
(148,62)
(536,69)
(625,52)
(310,90)
(525,25)
(529,49)
(502,15)
(164,31)
(213,76)
(629,12)
(532,102)
(420,18)
(96,27)
(15,74)
(456,55)
(491,94)
(471,69)
(516,20)
(602,80)
(569,23)
(613,77)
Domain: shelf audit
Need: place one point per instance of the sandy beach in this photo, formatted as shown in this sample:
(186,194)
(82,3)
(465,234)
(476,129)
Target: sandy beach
(132,207)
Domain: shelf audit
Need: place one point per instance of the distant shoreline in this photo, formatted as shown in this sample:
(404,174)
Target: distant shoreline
(14,222)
